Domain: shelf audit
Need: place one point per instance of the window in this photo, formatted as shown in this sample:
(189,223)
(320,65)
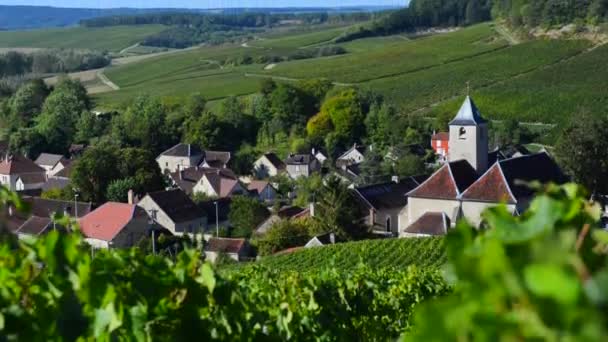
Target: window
(438,143)
(462,133)
(388,224)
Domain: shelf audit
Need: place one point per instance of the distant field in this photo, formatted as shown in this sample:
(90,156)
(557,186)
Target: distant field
(385,253)
(395,56)
(300,40)
(111,39)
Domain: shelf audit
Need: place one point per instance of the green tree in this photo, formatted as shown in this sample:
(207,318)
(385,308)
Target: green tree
(242,161)
(582,151)
(284,234)
(245,215)
(141,166)
(318,127)
(27,103)
(118,190)
(347,116)
(288,106)
(409,164)
(94,171)
(88,127)
(337,212)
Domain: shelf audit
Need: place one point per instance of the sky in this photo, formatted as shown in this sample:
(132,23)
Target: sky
(201,3)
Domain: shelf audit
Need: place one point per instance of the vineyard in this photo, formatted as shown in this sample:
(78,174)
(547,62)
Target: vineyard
(386,253)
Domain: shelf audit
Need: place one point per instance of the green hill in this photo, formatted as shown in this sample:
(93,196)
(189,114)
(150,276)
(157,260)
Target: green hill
(385,253)
(111,39)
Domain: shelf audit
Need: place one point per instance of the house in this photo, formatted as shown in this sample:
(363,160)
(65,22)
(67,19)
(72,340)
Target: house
(179,157)
(37,221)
(183,156)
(221,207)
(175,211)
(355,155)
(473,180)
(349,173)
(319,155)
(52,163)
(236,249)
(440,142)
(321,240)
(502,183)
(76,150)
(440,192)
(285,213)
(301,165)
(262,190)
(268,165)
(61,179)
(115,225)
(212,182)
(382,203)
(15,166)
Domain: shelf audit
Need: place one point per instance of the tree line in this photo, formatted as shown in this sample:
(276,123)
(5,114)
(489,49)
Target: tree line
(15,63)
(423,14)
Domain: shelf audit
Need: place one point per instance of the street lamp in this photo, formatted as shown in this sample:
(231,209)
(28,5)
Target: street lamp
(217,222)
(152,221)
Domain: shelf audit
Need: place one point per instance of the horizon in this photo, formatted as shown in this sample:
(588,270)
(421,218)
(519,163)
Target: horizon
(207,4)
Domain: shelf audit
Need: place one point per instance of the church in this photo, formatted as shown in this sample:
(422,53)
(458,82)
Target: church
(472,180)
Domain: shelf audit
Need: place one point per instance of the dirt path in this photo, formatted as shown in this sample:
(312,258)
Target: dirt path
(125,50)
(105,80)
(507,35)
(291,79)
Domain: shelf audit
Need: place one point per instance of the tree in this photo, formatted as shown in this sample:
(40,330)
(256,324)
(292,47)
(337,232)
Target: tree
(409,164)
(94,171)
(141,166)
(242,161)
(308,189)
(337,211)
(582,151)
(118,190)
(288,106)
(89,126)
(347,117)
(319,126)
(245,215)
(378,124)
(27,103)
(373,168)
(284,234)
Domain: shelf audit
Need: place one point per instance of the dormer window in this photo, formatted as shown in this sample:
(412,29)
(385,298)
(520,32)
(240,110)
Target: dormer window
(462,133)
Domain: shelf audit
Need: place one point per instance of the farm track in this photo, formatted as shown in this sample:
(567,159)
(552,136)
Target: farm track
(514,77)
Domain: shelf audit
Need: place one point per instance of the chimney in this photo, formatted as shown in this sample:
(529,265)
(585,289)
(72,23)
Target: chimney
(314,152)
(332,238)
(189,151)
(130,196)
(395,179)
(10,210)
(311,209)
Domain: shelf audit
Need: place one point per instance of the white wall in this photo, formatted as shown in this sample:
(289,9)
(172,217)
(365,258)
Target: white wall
(172,163)
(263,168)
(474,148)
(419,206)
(472,210)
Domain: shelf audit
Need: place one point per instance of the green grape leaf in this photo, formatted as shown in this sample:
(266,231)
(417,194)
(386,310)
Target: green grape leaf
(552,281)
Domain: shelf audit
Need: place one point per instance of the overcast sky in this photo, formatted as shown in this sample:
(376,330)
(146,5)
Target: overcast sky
(200,3)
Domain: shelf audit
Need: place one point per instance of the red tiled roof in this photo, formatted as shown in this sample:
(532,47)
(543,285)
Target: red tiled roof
(448,182)
(105,222)
(17,164)
(430,223)
(257,186)
(491,187)
(443,136)
(224,245)
(289,250)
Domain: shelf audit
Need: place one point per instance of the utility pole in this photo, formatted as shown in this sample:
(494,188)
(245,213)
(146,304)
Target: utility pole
(152,228)
(76,204)
(217,222)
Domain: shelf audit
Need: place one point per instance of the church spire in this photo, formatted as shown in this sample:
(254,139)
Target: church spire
(468,115)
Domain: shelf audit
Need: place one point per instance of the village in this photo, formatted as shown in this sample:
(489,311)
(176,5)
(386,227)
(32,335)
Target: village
(468,178)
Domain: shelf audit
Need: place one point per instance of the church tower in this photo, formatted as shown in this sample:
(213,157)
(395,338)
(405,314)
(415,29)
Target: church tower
(469,137)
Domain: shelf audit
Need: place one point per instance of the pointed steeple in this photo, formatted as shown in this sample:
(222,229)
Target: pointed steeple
(468,115)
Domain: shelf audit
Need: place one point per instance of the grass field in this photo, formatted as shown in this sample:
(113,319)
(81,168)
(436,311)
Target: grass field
(394,57)
(385,253)
(111,39)
(300,40)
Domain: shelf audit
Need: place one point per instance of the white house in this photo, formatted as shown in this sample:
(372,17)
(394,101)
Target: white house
(355,155)
(302,165)
(175,211)
(268,165)
(14,166)
(52,163)
(236,249)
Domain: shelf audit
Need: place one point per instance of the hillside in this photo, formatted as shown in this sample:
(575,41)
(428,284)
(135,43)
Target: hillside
(425,75)
(111,39)
(387,253)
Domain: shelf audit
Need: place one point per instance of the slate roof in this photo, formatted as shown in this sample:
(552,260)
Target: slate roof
(105,222)
(45,207)
(183,150)
(35,225)
(177,205)
(299,159)
(448,182)
(190,176)
(387,195)
(275,161)
(468,115)
(431,223)
(218,158)
(225,245)
(32,178)
(17,164)
(48,159)
(502,181)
